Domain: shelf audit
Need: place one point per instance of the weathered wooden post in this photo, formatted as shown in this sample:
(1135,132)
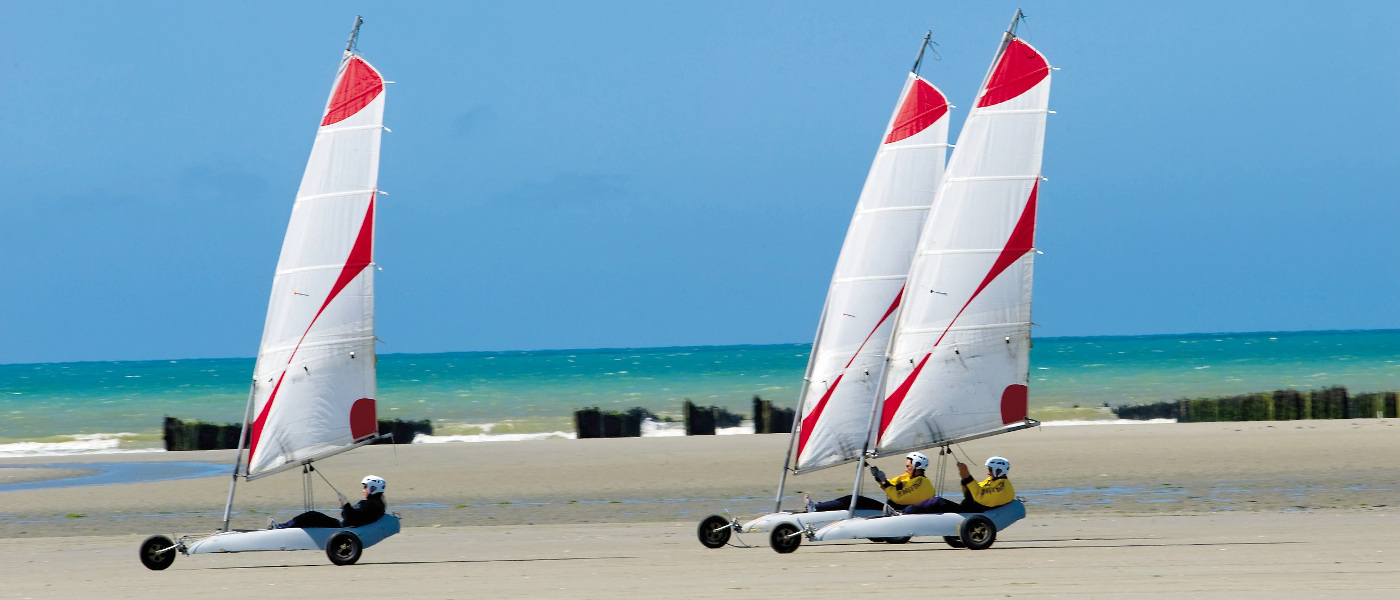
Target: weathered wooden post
(699,421)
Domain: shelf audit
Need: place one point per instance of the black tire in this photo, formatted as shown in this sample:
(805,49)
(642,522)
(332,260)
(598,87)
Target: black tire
(954,541)
(344,548)
(898,540)
(879,540)
(978,532)
(783,540)
(714,531)
(157,553)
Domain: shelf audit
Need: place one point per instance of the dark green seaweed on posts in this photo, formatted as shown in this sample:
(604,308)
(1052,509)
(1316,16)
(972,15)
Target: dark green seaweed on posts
(1282,405)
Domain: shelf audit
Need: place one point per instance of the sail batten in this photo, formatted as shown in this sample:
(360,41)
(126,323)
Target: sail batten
(847,360)
(317,350)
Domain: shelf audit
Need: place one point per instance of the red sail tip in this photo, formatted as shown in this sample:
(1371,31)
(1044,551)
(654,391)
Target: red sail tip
(359,86)
(1015,401)
(1021,67)
(923,106)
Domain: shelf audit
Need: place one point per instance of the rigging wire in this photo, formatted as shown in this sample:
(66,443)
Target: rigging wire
(928,44)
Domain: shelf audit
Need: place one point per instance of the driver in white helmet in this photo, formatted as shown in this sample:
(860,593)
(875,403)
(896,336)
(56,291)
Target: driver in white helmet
(363,512)
(978,496)
(912,487)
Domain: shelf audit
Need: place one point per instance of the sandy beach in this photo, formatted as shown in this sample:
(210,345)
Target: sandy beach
(1255,509)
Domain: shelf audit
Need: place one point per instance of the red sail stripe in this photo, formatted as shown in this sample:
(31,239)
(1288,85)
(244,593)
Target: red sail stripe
(810,421)
(359,86)
(1022,241)
(1020,68)
(888,312)
(892,403)
(361,255)
(924,106)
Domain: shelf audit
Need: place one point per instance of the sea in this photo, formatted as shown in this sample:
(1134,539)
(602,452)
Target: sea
(108,407)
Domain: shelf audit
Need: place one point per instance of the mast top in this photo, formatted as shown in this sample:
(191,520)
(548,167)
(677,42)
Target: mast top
(928,41)
(1011,31)
(355,34)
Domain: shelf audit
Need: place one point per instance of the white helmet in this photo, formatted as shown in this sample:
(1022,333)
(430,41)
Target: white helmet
(920,461)
(374,483)
(999,466)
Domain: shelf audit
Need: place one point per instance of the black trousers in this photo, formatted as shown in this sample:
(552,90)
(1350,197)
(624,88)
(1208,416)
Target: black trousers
(310,519)
(844,503)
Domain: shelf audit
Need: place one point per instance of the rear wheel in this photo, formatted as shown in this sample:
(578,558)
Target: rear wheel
(898,540)
(344,548)
(785,538)
(157,553)
(954,541)
(714,531)
(978,532)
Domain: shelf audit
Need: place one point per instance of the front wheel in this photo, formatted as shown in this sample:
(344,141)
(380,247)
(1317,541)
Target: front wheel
(978,532)
(714,531)
(785,538)
(157,553)
(344,548)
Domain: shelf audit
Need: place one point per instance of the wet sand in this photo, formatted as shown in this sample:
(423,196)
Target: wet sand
(1295,509)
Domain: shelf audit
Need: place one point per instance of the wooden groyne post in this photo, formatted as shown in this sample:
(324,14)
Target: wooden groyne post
(771,419)
(1282,405)
(594,423)
(183,435)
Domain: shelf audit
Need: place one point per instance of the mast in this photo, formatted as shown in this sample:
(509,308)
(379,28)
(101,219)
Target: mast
(796,428)
(354,36)
(238,458)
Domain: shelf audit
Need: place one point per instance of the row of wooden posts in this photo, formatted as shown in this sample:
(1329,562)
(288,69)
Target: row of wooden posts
(1281,405)
(699,420)
(197,435)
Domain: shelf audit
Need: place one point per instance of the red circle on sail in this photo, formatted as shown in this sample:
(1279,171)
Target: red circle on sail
(1020,68)
(363,422)
(1015,400)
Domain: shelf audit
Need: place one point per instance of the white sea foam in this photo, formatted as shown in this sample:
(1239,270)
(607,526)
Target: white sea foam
(652,428)
(1105,422)
(487,437)
(96,443)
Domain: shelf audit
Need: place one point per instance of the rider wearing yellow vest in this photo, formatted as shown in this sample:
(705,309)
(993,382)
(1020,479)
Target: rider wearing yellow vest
(910,488)
(991,492)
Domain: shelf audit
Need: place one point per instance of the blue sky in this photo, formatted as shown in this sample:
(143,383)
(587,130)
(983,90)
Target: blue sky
(574,175)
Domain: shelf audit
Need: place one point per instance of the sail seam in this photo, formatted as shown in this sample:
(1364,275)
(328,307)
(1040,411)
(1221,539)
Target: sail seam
(870,278)
(329,130)
(955,252)
(367,338)
(314,268)
(893,146)
(889,209)
(996,178)
(907,330)
(335,195)
(1019,111)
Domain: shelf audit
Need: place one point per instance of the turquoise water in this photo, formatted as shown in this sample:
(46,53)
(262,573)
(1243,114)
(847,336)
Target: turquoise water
(80,407)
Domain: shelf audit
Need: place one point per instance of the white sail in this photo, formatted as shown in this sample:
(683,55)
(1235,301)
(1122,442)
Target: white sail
(959,356)
(844,371)
(314,383)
